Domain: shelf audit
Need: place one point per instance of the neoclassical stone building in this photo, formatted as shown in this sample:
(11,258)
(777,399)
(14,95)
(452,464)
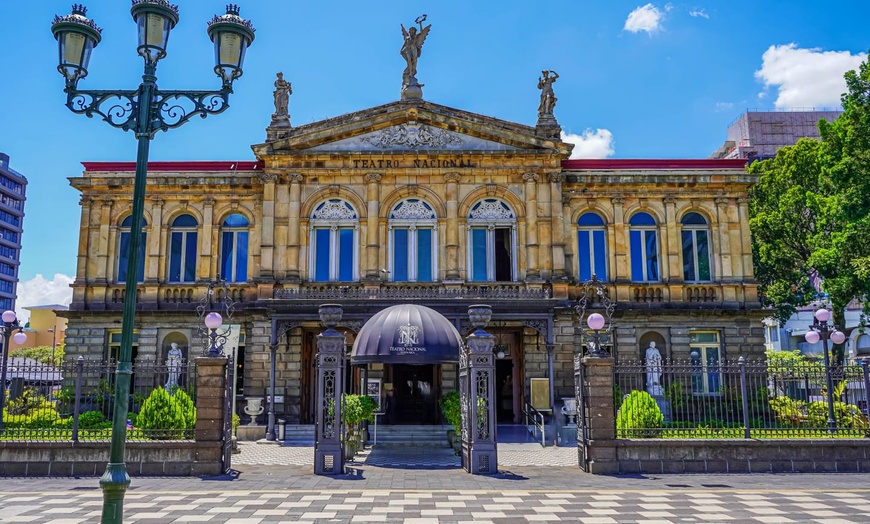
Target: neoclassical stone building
(414,202)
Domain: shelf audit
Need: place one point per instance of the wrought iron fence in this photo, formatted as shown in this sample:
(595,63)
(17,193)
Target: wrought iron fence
(75,401)
(739,399)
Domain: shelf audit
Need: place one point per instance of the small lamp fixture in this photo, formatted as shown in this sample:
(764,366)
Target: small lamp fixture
(595,321)
(213,322)
(19,338)
(9,316)
(231,35)
(76,37)
(155,19)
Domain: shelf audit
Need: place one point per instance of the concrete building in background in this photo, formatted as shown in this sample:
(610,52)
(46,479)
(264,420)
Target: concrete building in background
(13,188)
(758,134)
(44,328)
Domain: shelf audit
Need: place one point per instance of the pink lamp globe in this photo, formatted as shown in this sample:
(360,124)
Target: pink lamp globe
(838,337)
(19,338)
(9,316)
(812,337)
(822,315)
(595,321)
(213,320)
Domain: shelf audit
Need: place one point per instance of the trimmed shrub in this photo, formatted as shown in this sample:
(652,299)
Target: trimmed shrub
(185,405)
(93,420)
(451,410)
(162,415)
(639,416)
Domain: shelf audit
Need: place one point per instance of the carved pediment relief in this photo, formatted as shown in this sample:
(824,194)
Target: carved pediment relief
(413,136)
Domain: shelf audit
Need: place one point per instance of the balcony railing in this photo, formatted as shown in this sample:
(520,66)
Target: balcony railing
(410,291)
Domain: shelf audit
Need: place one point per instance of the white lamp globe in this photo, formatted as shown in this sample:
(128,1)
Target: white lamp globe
(213,320)
(822,315)
(595,321)
(838,337)
(19,338)
(9,316)
(812,337)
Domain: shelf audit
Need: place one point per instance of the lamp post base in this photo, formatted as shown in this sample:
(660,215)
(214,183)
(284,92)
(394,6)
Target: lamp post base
(114,484)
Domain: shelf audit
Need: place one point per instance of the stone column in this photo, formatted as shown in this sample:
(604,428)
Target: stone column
(722,251)
(373,247)
(328,455)
(533,270)
(672,242)
(153,256)
(267,243)
(213,429)
(593,385)
(747,272)
(207,263)
(104,272)
(282,224)
(545,232)
(621,269)
(452,229)
(293,227)
(477,396)
(82,273)
(568,229)
(557,239)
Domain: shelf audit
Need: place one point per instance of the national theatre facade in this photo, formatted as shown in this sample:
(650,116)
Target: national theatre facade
(417,203)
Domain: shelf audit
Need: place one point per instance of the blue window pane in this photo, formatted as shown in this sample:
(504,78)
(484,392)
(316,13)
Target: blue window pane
(227,250)
(236,220)
(713,369)
(424,255)
(652,253)
(703,256)
(636,256)
(345,253)
(584,255)
(242,256)
(688,256)
(642,219)
(693,219)
(600,255)
(175,257)
(190,258)
(123,260)
(321,255)
(590,219)
(400,255)
(184,221)
(478,254)
(128,222)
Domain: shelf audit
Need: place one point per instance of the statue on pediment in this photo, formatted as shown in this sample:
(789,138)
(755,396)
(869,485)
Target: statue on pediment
(412,47)
(282,93)
(548,96)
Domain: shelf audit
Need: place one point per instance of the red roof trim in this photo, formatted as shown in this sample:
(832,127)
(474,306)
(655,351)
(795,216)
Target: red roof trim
(220,165)
(644,163)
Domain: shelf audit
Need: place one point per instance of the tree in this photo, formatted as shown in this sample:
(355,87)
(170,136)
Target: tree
(41,354)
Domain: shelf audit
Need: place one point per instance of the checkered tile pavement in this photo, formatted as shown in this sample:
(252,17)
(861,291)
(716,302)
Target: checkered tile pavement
(417,507)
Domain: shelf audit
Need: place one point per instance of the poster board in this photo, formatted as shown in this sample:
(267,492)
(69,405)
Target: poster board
(373,389)
(540,394)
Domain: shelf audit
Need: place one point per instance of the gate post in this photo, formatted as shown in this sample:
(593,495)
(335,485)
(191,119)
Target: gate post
(213,440)
(328,457)
(593,378)
(477,392)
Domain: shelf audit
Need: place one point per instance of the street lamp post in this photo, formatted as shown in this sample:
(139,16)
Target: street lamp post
(595,295)
(10,323)
(144,111)
(821,330)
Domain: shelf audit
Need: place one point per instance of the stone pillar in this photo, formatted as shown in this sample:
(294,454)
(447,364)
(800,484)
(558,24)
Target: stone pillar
(621,269)
(672,242)
(328,455)
(282,224)
(267,243)
(596,439)
(83,275)
(557,241)
(533,269)
(477,396)
(213,429)
(373,246)
(568,227)
(104,272)
(545,231)
(207,261)
(293,226)
(722,249)
(747,270)
(153,256)
(452,229)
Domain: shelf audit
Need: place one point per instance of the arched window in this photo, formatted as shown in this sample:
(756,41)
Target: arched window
(234,248)
(643,240)
(334,241)
(491,242)
(413,257)
(124,251)
(182,249)
(696,248)
(591,250)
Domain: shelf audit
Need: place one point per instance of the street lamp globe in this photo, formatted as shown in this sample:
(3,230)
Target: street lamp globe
(19,338)
(213,320)
(231,35)
(9,316)
(822,315)
(76,37)
(595,321)
(838,337)
(812,337)
(154,19)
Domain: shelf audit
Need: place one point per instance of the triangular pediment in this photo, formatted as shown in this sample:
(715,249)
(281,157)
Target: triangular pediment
(411,126)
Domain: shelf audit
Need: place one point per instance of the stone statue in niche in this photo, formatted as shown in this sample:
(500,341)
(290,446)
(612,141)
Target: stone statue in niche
(653,370)
(174,358)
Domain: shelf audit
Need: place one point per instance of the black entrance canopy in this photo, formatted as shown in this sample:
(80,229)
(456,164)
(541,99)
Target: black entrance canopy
(407,334)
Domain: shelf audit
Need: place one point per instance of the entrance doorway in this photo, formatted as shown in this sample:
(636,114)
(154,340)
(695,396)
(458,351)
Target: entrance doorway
(504,391)
(415,391)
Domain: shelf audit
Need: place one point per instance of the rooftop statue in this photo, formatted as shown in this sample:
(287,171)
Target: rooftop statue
(548,97)
(412,47)
(282,93)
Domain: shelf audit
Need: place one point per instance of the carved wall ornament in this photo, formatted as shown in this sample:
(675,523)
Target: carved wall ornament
(413,136)
(721,200)
(617,200)
(333,189)
(530,177)
(452,177)
(413,209)
(669,200)
(491,209)
(556,177)
(334,209)
(267,177)
(296,177)
(208,201)
(491,189)
(373,177)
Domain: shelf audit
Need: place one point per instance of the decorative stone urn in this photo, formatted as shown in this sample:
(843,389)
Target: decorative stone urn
(330,315)
(254,408)
(479,315)
(569,409)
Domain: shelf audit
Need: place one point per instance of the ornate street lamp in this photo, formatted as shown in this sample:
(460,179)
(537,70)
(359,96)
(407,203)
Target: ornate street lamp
(145,111)
(595,295)
(10,323)
(822,330)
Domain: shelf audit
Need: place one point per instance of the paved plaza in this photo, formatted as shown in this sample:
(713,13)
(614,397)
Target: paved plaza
(411,484)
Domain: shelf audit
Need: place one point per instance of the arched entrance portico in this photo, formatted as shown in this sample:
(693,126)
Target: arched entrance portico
(409,353)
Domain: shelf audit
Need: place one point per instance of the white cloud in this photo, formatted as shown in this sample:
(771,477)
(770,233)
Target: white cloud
(596,143)
(724,106)
(645,18)
(41,292)
(806,77)
(698,13)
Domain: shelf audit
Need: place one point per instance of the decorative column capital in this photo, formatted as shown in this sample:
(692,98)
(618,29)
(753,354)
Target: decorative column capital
(107,202)
(157,201)
(721,200)
(295,178)
(530,177)
(372,178)
(556,177)
(617,200)
(208,201)
(452,177)
(86,201)
(669,200)
(743,200)
(268,177)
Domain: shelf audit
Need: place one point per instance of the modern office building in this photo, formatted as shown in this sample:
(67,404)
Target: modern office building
(758,134)
(13,189)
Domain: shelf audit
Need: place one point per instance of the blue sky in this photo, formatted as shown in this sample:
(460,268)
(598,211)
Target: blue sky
(637,80)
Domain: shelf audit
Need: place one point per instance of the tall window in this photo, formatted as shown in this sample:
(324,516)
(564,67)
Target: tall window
(705,356)
(234,248)
(491,241)
(124,250)
(592,256)
(412,242)
(696,248)
(182,249)
(644,248)
(334,242)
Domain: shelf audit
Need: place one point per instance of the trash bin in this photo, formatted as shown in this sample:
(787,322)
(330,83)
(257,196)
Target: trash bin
(282,428)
